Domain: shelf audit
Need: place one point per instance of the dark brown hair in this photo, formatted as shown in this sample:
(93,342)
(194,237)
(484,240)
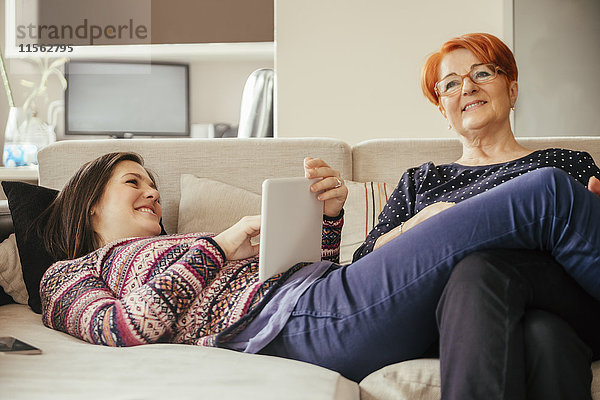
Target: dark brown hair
(67,230)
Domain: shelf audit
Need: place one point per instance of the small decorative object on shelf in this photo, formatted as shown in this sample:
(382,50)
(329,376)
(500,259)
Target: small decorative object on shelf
(24,136)
(25,133)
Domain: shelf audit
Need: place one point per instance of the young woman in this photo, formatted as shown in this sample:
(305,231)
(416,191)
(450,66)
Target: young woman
(122,285)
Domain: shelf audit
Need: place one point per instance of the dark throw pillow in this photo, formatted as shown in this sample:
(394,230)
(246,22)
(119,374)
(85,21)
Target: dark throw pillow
(26,203)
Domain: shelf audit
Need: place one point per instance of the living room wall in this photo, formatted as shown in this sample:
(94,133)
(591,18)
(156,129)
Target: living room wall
(350,69)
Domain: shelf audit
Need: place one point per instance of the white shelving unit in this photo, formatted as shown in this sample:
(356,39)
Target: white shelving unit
(158,52)
(162,52)
(22,174)
(29,173)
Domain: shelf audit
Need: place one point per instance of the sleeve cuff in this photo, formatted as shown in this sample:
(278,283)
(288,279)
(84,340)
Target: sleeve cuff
(216,246)
(334,219)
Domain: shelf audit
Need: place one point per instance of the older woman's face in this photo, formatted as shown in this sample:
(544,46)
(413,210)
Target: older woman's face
(476,108)
(129,205)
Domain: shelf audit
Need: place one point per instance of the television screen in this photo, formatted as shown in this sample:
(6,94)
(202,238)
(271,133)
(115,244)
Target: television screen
(125,98)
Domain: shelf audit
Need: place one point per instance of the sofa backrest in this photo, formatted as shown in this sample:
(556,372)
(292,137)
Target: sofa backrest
(384,160)
(243,163)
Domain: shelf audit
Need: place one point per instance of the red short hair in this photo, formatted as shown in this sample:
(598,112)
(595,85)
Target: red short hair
(488,48)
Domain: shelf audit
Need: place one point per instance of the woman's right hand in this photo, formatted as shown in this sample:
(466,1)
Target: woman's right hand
(594,185)
(235,241)
(334,191)
(416,219)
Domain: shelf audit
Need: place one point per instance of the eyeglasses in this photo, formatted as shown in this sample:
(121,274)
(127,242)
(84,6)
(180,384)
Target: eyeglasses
(479,73)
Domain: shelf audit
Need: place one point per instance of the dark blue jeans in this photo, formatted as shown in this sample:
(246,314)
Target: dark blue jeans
(381,309)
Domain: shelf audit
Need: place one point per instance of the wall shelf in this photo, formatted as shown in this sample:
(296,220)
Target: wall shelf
(29,173)
(163,52)
(230,51)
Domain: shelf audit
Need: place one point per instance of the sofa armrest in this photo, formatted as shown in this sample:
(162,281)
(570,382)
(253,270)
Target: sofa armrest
(6,222)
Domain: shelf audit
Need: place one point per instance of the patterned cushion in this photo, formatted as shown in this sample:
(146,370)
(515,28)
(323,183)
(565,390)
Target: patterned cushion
(363,206)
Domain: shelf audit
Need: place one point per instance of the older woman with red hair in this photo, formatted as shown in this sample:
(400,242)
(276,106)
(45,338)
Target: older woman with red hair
(512,323)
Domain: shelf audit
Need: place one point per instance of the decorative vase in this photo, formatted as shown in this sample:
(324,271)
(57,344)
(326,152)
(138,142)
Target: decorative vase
(24,136)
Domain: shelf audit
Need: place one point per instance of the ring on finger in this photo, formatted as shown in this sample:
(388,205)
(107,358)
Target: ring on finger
(339,183)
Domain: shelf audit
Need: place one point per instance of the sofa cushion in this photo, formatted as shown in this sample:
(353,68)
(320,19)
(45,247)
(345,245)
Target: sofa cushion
(11,274)
(420,379)
(26,203)
(414,379)
(207,205)
(363,205)
(69,368)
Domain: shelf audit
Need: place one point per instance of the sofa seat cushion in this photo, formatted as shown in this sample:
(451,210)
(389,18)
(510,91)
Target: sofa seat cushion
(420,380)
(408,380)
(70,368)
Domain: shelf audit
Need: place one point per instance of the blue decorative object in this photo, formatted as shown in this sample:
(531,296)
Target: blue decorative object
(19,155)
(25,135)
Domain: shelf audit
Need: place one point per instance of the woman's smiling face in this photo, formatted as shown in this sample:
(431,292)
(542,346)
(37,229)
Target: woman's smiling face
(476,107)
(129,205)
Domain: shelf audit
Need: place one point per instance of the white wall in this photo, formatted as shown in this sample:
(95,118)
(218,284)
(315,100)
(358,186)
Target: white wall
(350,69)
(216,89)
(557,45)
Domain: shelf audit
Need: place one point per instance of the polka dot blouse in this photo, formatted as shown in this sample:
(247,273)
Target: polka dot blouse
(430,183)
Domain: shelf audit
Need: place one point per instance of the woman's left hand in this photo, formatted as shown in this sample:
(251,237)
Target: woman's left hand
(236,240)
(334,191)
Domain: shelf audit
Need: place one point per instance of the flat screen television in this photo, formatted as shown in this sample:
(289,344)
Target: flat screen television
(125,99)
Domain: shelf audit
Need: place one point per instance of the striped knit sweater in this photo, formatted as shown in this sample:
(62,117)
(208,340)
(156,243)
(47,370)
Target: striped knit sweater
(173,289)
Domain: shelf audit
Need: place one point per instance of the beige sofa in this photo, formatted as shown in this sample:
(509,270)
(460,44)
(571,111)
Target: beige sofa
(233,169)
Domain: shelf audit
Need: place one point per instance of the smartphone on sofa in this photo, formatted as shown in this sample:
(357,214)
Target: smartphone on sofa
(11,345)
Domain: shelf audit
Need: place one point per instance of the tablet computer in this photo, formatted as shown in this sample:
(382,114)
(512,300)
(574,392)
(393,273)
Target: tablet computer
(291,225)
